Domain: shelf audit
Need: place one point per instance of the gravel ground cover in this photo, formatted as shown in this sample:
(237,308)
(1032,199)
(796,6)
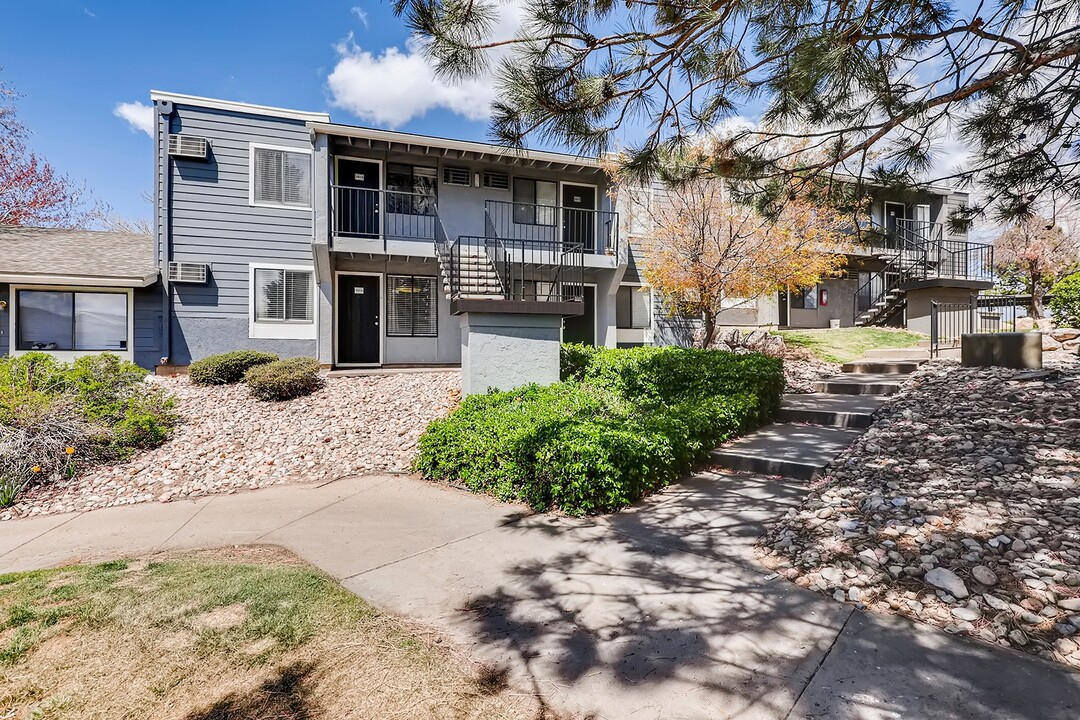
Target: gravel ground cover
(228,441)
(960,508)
(802,370)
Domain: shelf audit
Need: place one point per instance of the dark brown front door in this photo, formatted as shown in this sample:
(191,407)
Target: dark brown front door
(357,198)
(579,215)
(358,320)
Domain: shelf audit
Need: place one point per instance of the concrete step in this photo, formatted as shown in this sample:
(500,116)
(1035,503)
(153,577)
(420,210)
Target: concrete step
(861,384)
(795,451)
(897,354)
(843,411)
(900,367)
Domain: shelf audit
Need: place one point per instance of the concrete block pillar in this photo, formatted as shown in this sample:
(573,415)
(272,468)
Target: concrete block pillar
(504,351)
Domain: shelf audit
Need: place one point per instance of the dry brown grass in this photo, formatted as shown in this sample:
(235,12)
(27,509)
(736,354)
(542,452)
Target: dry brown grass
(242,634)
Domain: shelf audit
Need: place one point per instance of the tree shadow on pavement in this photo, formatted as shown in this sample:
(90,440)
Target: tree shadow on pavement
(663,610)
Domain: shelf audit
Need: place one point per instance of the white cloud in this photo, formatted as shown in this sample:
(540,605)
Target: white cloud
(360,13)
(392,87)
(137,115)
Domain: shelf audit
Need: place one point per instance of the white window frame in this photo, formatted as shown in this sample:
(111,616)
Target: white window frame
(69,355)
(643,335)
(252,147)
(386,306)
(294,330)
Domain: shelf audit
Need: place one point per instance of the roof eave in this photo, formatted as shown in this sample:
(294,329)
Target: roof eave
(138,281)
(461,146)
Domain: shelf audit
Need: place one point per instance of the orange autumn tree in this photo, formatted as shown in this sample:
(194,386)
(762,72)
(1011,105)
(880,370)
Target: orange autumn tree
(705,245)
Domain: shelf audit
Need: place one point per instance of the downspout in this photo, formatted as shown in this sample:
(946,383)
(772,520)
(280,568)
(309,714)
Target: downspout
(164,224)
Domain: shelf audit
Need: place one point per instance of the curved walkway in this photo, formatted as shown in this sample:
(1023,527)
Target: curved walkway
(657,612)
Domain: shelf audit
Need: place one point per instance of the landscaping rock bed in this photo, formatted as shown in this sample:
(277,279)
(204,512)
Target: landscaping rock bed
(802,370)
(228,441)
(960,508)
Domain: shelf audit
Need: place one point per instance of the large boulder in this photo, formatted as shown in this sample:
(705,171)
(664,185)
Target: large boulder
(1049,343)
(1065,334)
(1025,324)
(1044,324)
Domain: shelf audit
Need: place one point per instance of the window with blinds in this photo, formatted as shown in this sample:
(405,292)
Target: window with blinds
(633,307)
(284,295)
(281,177)
(412,306)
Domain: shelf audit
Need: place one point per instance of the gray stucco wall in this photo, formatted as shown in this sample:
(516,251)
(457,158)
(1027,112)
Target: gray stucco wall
(918,307)
(841,306)
(209,219)
(507,351)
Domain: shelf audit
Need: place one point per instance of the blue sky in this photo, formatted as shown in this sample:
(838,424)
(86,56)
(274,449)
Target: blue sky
(75,62)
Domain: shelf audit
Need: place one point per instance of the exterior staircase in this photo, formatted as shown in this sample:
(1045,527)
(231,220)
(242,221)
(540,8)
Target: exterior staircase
(813,428)
(476,276)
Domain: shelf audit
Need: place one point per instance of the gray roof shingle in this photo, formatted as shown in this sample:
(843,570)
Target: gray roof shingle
(27,253)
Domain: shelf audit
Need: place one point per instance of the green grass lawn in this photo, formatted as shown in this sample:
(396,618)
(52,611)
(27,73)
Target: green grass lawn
(848,344)
(241,634)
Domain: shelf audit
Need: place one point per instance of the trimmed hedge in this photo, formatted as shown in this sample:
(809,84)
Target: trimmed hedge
(623,423)
(284,379)
(228,367)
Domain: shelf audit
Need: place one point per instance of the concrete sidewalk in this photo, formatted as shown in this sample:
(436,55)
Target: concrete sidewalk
(657,612)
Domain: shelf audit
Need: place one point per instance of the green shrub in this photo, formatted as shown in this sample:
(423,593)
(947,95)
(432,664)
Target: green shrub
(624,423)
(1065,301)
(284,379)
(573,359)
(56,418)
(228,367)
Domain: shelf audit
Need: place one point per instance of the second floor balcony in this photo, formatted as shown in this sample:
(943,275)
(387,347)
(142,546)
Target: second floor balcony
(373,220)
(596,231)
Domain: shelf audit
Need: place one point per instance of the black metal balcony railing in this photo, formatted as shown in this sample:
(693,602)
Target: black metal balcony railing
(918,250)
(382,214)
(508,269)
(596,231)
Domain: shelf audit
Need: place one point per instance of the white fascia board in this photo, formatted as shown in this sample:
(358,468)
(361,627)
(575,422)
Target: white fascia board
(240,107)
(78,280)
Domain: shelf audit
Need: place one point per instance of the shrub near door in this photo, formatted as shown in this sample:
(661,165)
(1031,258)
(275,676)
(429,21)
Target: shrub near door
(284,379)
(623,423)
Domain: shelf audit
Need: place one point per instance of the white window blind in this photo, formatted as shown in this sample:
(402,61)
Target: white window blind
(282,177)
(633,307)
(283,295)
(412,306)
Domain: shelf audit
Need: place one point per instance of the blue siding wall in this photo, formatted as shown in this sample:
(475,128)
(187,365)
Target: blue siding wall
(148,345)
(210,220)
(5,320)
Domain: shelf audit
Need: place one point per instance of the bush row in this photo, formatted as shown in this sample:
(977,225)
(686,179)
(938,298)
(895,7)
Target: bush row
(622,423)
(58,417)
(268,377)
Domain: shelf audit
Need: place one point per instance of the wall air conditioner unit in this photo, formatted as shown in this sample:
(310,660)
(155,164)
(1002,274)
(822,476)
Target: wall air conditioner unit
(187,272)
(188,146)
